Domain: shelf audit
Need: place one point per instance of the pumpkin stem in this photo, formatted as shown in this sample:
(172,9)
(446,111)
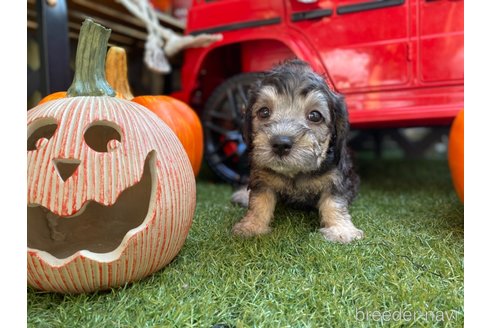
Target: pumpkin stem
(116,72)
(89,79)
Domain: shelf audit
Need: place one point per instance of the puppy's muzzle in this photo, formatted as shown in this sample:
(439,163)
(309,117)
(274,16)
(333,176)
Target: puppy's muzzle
(281,145)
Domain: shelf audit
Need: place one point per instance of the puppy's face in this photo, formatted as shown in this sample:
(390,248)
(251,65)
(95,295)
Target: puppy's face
(290,120)
(291,131)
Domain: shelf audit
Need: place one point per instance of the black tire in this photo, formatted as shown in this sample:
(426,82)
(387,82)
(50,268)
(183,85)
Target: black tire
(225,150)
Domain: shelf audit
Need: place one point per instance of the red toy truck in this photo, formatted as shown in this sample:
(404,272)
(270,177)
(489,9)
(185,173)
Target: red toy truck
(399,63)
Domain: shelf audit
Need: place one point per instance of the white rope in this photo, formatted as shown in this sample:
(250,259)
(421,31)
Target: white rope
(163,42)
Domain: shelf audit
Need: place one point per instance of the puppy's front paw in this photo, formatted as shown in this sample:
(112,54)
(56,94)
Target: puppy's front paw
(342,233)
(249,229)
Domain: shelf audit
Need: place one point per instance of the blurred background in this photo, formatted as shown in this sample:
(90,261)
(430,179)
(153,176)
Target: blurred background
(52,34)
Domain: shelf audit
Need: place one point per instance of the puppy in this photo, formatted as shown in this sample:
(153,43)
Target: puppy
(296,130)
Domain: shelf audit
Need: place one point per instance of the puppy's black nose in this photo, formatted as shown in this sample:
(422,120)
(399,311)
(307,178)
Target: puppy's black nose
(281,145)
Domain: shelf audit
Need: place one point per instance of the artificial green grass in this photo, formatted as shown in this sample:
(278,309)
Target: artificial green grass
(410,265)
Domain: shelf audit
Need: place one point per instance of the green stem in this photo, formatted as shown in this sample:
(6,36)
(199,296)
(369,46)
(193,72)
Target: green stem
(90,78)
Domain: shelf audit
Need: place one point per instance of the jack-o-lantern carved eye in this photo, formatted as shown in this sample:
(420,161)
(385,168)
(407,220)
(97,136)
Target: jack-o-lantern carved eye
(103,136)
(39,132)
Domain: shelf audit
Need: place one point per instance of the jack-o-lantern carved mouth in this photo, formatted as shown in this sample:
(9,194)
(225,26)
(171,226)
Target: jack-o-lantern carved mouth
(95,227)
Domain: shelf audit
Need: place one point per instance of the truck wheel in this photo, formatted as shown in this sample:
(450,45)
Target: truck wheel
(225,150)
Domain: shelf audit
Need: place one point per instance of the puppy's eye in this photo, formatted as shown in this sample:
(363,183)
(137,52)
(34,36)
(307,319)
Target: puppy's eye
(315,116)
(264,112)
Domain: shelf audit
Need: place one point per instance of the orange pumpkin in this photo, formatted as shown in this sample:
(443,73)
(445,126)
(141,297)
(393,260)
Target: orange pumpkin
(53,96)
(456,154)
(180,117)
(182,120)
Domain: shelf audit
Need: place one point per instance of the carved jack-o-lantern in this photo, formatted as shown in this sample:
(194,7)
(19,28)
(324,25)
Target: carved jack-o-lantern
(111,192)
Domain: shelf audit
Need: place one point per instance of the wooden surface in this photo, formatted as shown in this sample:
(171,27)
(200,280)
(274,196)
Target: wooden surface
(127,30)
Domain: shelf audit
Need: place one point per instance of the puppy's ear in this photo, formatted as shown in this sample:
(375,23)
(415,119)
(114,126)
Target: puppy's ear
(247,128)
(340,124)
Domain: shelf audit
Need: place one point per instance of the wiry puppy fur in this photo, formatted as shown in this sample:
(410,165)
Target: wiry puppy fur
(296,130)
